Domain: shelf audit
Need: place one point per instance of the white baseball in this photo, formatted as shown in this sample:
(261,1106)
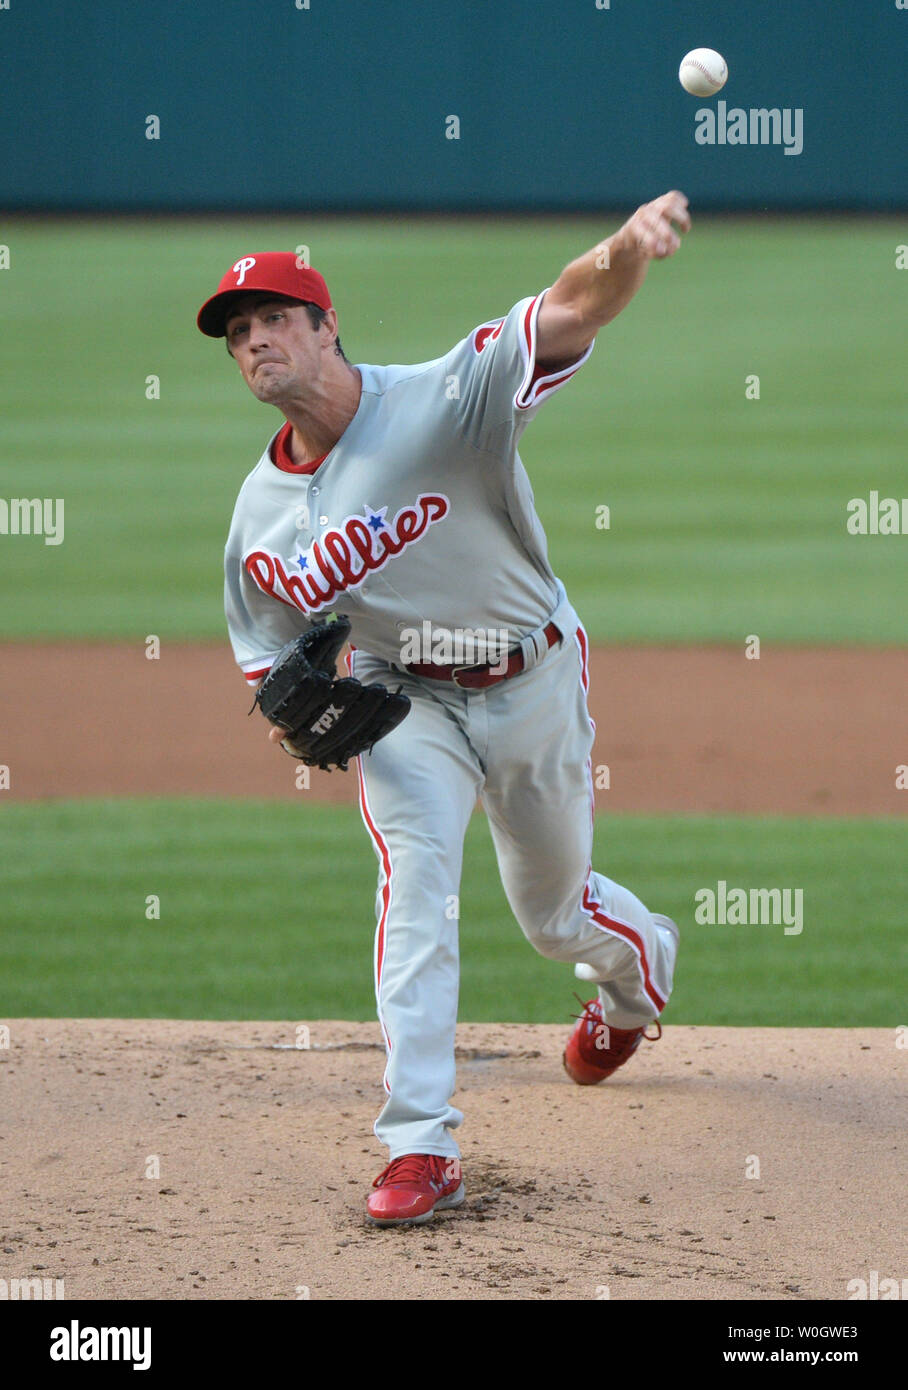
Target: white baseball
(703,72)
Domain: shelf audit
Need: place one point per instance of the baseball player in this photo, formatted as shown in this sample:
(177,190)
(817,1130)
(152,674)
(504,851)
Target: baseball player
(394,497)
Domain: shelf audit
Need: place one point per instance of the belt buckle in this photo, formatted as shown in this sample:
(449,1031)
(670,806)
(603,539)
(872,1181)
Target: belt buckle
(484,666)
(458,670)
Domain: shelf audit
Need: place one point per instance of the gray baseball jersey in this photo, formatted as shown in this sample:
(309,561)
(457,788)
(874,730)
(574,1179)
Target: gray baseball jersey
(421,513)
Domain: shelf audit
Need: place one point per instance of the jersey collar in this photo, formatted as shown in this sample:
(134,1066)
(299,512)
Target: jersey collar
(280,453)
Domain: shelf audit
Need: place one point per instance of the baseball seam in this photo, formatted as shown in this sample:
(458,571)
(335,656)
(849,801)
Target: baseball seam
(714,81)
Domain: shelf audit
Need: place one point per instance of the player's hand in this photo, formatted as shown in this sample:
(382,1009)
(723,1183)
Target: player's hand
(275,733)
(650,230)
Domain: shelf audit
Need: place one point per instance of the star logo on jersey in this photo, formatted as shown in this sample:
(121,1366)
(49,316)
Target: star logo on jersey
(345,555)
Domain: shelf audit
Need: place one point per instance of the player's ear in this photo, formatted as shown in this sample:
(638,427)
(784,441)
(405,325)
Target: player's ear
(330,323)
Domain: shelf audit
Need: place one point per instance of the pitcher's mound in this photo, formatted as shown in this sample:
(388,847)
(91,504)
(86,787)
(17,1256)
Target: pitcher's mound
(172,1160)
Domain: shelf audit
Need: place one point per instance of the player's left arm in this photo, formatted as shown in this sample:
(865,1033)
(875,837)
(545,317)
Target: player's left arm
(592,290)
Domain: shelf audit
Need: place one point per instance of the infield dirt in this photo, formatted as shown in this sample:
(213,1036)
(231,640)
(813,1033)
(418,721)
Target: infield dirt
(719,1164)
(801,731)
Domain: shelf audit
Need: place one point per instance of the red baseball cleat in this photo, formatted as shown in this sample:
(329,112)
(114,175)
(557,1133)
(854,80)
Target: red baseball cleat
(594,1050)
(413,1188)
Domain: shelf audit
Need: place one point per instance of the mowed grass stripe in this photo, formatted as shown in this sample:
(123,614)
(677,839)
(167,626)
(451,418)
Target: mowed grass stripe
(266,912)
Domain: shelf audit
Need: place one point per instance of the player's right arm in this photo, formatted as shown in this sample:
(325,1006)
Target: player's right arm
(593,289)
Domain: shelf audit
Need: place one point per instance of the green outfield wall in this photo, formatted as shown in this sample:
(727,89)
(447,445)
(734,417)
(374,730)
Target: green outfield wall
(507,104)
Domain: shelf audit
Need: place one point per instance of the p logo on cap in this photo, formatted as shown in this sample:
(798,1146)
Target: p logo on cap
(242,266)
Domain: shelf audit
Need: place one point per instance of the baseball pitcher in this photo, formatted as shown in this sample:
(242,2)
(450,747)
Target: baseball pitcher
(392,508)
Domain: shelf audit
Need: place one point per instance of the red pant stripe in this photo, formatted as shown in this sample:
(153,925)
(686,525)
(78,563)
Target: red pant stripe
(632,937)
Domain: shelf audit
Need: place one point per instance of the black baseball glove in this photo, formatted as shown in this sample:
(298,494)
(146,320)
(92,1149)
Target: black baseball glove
(329,719)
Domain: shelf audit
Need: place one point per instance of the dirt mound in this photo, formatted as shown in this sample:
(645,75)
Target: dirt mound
(174,1160)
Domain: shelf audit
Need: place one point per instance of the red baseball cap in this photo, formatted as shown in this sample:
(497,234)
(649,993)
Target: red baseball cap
(279,272)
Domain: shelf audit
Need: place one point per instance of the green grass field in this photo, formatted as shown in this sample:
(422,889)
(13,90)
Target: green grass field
(250,926)
(727,515)
(727,518)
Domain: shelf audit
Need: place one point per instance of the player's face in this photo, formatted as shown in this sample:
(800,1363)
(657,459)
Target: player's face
(276,347)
